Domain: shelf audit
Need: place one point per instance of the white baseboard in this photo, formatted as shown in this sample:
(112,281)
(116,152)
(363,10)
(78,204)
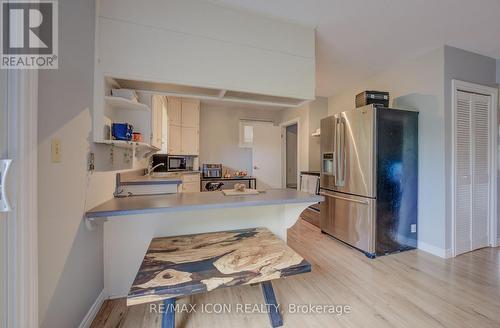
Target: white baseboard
(441,252)
(89,317)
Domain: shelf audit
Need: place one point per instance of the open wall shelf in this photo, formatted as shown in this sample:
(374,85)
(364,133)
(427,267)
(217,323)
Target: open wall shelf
(123,103)
(129,144)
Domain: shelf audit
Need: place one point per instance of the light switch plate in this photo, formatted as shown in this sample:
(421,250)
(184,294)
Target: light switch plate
(56,150)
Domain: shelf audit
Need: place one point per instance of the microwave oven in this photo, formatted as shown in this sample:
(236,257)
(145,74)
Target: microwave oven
(170,163)
(176,163)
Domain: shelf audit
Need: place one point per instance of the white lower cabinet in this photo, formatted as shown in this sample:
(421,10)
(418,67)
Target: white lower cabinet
(183,126)
(190,187)
(190,183)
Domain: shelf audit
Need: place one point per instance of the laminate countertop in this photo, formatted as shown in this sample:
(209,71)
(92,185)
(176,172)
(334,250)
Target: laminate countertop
(197,201)
(149,180)
(137,177)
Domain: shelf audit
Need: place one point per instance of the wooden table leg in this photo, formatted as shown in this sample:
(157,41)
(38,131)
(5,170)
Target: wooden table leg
(168,319)
(270,298)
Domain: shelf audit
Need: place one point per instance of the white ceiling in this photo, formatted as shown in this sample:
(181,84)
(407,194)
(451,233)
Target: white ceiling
(358,38)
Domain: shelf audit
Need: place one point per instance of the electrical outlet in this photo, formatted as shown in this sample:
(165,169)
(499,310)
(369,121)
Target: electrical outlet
(56,150)
(413,228)
(91,162)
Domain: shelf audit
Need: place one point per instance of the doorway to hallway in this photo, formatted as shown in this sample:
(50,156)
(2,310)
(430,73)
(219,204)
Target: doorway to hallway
(291,141)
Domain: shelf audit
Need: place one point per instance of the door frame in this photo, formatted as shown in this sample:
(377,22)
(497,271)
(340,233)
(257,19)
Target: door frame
(256,122)
(21,222)
(283,126)
(457,85)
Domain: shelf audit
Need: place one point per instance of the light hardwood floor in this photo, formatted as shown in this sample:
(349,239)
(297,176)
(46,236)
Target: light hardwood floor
(410,289)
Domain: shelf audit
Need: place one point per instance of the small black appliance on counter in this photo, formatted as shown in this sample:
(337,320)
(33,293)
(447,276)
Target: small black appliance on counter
(212,170)
(378,98)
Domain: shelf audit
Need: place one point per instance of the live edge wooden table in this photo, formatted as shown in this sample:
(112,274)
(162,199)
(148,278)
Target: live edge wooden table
(179,266)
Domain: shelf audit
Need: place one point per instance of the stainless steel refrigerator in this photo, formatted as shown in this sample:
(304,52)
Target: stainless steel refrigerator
(369,177)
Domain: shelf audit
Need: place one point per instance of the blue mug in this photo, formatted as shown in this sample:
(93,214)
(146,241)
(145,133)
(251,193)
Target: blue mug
(122,131)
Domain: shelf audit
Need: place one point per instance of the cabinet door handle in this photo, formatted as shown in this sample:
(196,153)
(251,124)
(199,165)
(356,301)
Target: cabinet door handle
(4,170)
(364,202)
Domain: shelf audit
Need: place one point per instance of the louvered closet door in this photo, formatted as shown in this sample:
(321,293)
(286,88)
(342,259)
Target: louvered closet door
(480,170)
(463,180)
(472,171)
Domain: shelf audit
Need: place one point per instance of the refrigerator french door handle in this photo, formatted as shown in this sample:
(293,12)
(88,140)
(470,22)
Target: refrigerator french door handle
(341,158)
(364,202)
(4,171)
(344,157)
(336,149)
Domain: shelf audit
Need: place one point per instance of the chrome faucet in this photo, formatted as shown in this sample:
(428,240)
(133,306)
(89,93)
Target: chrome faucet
(151,170)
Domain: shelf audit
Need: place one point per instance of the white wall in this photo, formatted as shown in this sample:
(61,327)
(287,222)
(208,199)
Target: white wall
(417,84)
(498,71)
(318,110)
(219,134)
(70,256)
(498,180)
(498,183)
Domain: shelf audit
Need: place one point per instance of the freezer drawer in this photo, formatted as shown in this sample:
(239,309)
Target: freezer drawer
(350,219)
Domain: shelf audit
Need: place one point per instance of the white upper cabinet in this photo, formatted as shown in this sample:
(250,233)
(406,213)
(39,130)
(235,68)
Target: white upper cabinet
(174,111)
(183,126)
(174,139)
(190,141)
(190,113)
(157,108)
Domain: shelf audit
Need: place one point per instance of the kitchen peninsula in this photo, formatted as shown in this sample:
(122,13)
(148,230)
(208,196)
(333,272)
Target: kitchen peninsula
(131,223)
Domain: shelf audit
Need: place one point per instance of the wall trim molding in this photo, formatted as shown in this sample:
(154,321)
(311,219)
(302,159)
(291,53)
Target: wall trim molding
(94,309)
(434,250)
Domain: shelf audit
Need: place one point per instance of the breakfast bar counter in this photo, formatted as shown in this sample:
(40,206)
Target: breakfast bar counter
(130,223)
(196,201)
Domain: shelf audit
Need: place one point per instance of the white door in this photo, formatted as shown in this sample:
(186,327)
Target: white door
(3,216)
(267,155)
(472,168)
(480,170)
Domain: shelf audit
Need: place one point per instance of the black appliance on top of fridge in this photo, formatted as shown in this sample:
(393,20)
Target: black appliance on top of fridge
(369,177)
